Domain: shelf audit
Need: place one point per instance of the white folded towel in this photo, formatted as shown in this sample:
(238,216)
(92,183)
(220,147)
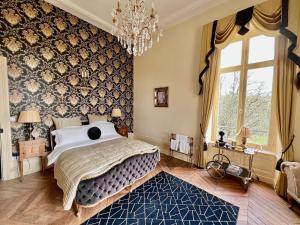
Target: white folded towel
(181,144)
(184,145)
(174,144)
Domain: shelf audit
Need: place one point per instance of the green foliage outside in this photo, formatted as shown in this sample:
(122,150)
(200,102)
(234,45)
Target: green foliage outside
(257,107)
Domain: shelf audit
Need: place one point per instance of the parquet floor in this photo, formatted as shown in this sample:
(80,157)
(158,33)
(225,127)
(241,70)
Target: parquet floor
(37,200)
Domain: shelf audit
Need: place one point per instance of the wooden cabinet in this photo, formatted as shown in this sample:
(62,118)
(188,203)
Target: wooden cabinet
(30,149)
(123,130)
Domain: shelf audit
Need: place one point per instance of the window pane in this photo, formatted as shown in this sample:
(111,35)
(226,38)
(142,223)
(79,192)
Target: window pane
(232,55)
(258,104)
(228,103)
(261,48)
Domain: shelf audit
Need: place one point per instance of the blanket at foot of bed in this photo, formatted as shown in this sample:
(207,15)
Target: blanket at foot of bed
(94,160)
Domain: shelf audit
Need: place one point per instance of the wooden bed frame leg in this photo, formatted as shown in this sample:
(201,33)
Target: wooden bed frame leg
(129,188)
(290,201)
(78,209)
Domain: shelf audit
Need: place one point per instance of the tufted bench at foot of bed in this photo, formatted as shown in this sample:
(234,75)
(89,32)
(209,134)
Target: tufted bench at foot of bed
(93,190)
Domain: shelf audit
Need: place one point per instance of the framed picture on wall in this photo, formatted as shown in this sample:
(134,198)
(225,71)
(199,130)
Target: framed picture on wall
(161,98)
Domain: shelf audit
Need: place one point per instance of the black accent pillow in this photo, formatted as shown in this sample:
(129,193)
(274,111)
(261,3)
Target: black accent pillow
(94,133)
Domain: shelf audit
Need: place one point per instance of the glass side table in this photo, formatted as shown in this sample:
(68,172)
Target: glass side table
(220,165)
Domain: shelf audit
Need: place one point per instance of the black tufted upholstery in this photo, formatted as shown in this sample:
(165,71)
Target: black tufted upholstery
(93,190)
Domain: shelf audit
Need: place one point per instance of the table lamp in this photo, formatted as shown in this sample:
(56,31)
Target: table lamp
(116,113)
(244,133)
(29,117)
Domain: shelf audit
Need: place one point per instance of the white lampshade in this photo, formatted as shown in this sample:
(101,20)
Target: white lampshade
(116,113)
(29,116)
(244,133)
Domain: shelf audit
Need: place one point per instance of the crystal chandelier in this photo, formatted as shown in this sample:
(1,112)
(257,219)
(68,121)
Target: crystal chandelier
(134,28)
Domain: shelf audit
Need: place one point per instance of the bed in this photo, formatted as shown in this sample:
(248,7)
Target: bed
(89,171)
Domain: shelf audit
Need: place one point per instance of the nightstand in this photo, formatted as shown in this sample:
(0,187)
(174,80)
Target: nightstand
(30,149)
(123,130)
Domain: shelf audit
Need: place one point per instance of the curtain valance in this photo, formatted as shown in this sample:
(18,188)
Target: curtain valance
(272,16)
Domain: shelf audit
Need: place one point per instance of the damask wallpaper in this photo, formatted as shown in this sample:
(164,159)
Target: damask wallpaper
(47,49)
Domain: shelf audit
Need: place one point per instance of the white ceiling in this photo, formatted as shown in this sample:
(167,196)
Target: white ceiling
(171,12)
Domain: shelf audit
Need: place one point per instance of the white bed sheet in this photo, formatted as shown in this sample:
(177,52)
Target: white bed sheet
(59,149)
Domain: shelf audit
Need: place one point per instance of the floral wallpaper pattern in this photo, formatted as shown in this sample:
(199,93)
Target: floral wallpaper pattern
(47,49)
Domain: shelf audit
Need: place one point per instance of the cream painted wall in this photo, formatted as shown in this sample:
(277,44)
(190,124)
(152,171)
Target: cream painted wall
(174,62)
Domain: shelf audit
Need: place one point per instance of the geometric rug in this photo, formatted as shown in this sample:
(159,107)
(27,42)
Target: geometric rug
(167,200)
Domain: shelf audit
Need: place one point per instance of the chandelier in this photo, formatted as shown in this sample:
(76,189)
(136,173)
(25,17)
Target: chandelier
(134,28)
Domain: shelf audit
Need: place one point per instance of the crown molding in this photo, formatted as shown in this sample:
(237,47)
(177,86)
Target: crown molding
(177,17)
(75,10)
(191,10)
(186,13)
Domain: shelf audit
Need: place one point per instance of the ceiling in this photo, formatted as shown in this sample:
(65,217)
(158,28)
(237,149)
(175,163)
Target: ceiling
(171,12)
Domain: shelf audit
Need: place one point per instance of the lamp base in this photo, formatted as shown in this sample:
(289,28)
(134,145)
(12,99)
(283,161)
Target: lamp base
(30,129)
(114,120)
(244,142)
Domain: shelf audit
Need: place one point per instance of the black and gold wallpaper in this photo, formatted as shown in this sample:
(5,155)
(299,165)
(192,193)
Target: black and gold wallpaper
(47,50)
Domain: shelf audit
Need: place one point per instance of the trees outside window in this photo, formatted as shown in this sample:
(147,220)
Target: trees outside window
(245,90)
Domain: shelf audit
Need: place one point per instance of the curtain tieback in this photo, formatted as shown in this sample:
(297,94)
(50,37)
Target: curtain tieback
(205,147)
(280,161)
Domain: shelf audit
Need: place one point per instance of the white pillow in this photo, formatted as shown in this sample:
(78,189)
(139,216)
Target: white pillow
(54,133)
(57,131)
(107,128)
(71,135)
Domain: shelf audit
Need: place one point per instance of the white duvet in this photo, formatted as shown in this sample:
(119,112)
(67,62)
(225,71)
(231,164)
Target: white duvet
(59,149)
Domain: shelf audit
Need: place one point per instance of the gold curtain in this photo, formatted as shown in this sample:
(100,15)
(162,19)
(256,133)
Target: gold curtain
(226,31)
(285,107)
(206,101)
(205,44)
(266,18)
(294,22)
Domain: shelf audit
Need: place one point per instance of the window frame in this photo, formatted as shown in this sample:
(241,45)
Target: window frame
(243,68)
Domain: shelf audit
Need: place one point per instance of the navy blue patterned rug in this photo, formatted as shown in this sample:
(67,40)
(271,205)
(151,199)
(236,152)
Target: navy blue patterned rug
(167,200)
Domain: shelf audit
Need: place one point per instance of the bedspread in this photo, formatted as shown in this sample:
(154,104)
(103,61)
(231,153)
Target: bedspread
(90,161)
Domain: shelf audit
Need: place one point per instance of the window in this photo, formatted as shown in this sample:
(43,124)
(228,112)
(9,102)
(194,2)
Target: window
(245,90)
(228,103)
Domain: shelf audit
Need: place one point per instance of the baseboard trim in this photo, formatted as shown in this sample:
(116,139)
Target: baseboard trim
(164,146)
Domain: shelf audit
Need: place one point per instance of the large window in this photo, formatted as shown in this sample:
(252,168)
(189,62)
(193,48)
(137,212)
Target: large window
(244,96)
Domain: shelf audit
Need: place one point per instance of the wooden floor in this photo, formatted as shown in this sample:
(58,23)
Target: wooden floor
(38,200)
